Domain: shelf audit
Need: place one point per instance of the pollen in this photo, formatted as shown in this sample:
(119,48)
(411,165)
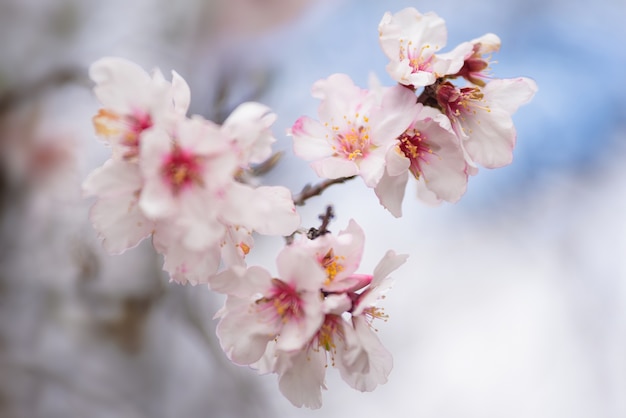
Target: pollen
(354,142)
(415,147)
(181,169)
(331,263)
(244,247)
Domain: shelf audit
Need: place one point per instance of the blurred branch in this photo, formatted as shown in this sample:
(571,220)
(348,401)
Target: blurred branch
(309,191)
(17,95)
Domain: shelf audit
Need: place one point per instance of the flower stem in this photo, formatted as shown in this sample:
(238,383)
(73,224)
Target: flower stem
(309,191)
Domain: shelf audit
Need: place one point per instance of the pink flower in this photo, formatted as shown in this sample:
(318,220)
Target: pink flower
(476,65)
(339,255)
(355,129)
(410,40)
(133,102)
(260,308)
(365,363)
(351,346)
(481,117)
(430,151)
(186,176)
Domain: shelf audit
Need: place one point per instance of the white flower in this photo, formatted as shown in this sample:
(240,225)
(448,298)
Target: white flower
(481,117)
(260,308)
(355,129)
(410,40)
(430,150)
(133,102)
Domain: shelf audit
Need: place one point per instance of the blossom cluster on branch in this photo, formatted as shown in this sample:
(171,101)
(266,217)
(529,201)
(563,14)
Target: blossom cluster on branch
(187,183)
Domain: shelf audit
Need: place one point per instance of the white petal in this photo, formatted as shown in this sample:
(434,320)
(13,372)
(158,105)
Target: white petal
(390,191)
(120,223)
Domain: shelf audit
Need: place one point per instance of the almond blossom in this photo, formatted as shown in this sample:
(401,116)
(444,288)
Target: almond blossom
(356,127)
(133,102)
(260,308)
(350,345)
(339,255)
(411,41)
(430,151)
(481,117)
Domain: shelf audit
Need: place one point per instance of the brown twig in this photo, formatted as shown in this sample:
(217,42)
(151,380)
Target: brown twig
(323,229)
(309,191)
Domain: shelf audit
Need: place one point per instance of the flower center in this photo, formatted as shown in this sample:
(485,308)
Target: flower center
(415,147)
(327,332)
(128,127)
(330,262)
(284,299)
(181,169)
(461,102)
(354,142)
(417,60)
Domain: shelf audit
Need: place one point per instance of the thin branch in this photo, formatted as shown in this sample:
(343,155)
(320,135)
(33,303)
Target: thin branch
(309,191)
(19,94)
(323,229)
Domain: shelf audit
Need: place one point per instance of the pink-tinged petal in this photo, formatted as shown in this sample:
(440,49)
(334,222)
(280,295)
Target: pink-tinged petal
(389,263)
(119,83)
(396,162)
(390,191)
(510,93)
(297,332)
(181,94)
(113,178)
(296,266)
(309,139)
(427,196)
(267,210)
(301,377)
(120,223)
(339,96)
(334,168)
(198,221)
(381,282)
(451,62)
(398,109)
(249,126)
(241,282)
(237,244)
(155,145)
(156,201)
(487,43)
(203,137)
(444,169)
(491,138)
(275,211)
(337,304)
(364,363)
(244,331)
(350,284)
(186,266)
(371,169)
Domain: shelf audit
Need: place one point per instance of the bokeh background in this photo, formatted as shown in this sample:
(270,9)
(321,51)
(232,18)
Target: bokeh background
(512,303)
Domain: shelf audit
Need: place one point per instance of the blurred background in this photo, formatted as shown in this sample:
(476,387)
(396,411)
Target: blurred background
(512,303)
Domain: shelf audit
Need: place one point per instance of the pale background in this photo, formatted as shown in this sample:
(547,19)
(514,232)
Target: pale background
(512,303)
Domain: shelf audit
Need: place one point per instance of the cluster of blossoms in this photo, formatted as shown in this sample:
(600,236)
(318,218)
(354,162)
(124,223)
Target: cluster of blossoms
(440,136)
(317,311)
(186,183)
(180,180)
